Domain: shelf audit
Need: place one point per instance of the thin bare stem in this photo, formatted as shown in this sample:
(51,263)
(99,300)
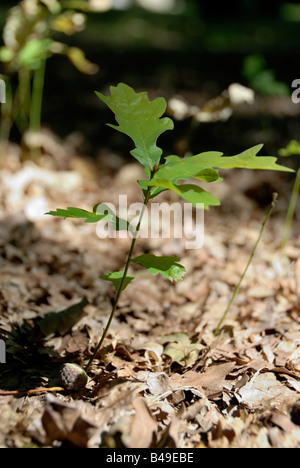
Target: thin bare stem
(291,212)
(21,110)
(120,289)
(33,391)
(37,97)
(216,331)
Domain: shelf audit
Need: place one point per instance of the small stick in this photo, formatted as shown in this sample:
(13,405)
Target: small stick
(33,391)
(216,331)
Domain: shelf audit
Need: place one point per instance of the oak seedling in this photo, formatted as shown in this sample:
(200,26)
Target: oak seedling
(141,120)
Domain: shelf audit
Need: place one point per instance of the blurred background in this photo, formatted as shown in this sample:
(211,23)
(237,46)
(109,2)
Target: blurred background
(188,51)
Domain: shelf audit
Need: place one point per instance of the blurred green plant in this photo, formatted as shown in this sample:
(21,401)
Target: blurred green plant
(290,12)
(262,79)
(28,43)
(293,148)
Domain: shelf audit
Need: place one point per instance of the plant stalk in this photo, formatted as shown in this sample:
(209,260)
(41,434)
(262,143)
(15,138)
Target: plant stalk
(21,110)
(120,289)
(291,212)
(37,97)
(37,103)
(216,331)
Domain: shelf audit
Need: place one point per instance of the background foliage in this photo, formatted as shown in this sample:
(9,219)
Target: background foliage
(185,46)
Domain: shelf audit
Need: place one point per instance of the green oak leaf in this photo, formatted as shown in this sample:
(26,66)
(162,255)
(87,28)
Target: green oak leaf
(154,190)
(116,278)
(118,224)
(196,195)
(249,160)
(100,212)
(140,119)
(166,266)
(72,212)
(191,193)
(201,165)
(182,169)
(206,174)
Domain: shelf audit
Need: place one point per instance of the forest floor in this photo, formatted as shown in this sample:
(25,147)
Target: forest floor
(162,379)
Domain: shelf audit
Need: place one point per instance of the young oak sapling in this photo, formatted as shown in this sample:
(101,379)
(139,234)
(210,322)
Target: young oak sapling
(141,119)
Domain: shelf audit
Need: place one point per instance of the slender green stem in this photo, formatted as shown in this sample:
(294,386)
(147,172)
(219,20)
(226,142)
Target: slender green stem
(120,289)
(37,97)
(23,99)
(291,212)
(36,104)
(216,331)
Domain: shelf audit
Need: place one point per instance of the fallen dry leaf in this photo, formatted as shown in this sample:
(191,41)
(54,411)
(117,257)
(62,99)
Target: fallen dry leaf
(264,391)
(143,428)
(211,382)
(64,422)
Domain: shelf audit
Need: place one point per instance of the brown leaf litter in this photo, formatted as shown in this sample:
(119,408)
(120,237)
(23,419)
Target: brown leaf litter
(162,379)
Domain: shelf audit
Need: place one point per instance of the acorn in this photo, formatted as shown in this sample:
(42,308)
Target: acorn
(72,376)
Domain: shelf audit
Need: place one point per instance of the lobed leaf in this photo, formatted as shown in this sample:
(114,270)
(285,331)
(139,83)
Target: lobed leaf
(203,165)
(118,224)
(166,266)
(196,195)
(72,212)
(249,160)
(182,169)
(154,190)
(116,278)
(140,119)
(189,192)
(208,175)
(100,212)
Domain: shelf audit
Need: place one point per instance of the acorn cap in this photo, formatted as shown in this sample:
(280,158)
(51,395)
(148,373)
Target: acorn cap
(72,376)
